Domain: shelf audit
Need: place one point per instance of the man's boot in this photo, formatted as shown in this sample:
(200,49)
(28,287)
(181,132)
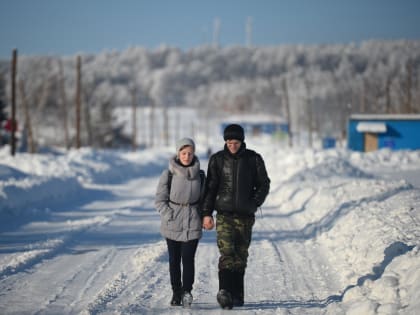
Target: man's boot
(238,288)
(224,296)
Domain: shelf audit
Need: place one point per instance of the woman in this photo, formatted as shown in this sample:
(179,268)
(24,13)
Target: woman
(178,199)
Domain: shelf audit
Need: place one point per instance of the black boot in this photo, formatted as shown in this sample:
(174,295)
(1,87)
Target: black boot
(238,288)
(176,297)
(224,296)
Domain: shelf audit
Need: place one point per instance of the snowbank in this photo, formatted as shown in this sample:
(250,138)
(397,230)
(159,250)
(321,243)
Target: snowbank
(34,183)
(367,226)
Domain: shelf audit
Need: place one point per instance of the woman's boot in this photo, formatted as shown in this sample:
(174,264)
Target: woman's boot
(176,297)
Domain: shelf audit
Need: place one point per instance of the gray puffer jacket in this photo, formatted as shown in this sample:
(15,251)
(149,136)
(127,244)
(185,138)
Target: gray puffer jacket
(179,210)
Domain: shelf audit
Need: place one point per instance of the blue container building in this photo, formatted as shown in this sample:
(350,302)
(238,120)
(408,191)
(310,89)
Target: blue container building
(369,132)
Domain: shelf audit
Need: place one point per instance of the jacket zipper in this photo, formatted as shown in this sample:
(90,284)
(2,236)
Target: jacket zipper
(235,184)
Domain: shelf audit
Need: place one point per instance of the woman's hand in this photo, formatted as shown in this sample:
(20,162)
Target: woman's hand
(208,223)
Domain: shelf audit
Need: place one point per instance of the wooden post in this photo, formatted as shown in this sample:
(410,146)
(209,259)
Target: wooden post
(134,118)
(87,117)
(152,124)
(63,105)
(78,100)
(13,119)
(289,118)
(26,114)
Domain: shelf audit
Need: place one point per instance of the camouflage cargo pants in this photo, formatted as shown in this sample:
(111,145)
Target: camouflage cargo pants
(233,239)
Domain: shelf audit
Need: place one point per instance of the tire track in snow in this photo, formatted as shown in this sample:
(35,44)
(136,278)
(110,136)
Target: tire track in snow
(288,276)
(126,281)
(151,291)
(86,273)
(48,249)
(105,262)
(206,283)
(101,260)
(292,274)
(36,253)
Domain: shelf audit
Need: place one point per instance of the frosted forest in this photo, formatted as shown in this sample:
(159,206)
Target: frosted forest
(313,87)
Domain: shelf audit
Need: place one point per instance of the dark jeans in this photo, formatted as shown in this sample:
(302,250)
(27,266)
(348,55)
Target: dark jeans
(185,252)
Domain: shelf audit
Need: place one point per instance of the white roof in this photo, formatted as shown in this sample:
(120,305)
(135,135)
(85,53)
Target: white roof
(385,117)
(374,127)
(255,118)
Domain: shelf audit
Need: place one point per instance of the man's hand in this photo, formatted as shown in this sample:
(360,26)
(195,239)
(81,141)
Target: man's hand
(208,223)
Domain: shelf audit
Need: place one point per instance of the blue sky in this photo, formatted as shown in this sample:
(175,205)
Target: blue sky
(59,27)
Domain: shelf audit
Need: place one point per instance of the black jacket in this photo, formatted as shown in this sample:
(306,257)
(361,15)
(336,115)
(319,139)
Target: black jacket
(236,184)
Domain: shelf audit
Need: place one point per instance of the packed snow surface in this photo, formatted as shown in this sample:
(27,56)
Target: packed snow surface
(338,234)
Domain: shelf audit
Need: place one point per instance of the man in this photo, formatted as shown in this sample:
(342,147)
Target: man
(237,184)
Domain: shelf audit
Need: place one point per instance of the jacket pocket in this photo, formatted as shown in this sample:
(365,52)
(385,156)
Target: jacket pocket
(174,225)
(249,206)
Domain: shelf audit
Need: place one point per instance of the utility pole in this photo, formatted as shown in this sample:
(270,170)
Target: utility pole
(216,32)
(13,121)
(248,31)
(78,100)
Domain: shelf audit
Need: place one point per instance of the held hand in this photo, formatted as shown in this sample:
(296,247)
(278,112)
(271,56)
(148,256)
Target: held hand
(208,222)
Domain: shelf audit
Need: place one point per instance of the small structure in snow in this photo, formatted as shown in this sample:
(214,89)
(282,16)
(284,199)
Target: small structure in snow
(369,132)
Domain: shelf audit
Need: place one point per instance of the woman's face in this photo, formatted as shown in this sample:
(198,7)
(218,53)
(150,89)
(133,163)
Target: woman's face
(233,145)
(186,155)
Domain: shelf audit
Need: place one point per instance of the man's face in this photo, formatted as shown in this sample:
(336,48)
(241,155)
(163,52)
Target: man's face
(233,145)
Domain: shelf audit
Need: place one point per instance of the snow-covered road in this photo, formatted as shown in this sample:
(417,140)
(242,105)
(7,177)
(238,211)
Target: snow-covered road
(116,262)
(331,239)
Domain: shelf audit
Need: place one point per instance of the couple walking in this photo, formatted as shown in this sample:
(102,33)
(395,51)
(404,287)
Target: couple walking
(236,185)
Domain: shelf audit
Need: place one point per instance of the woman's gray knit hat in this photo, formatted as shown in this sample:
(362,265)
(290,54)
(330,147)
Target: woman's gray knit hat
(184,142)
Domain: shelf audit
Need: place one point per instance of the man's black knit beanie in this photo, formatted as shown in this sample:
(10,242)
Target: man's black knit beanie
(234,132)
